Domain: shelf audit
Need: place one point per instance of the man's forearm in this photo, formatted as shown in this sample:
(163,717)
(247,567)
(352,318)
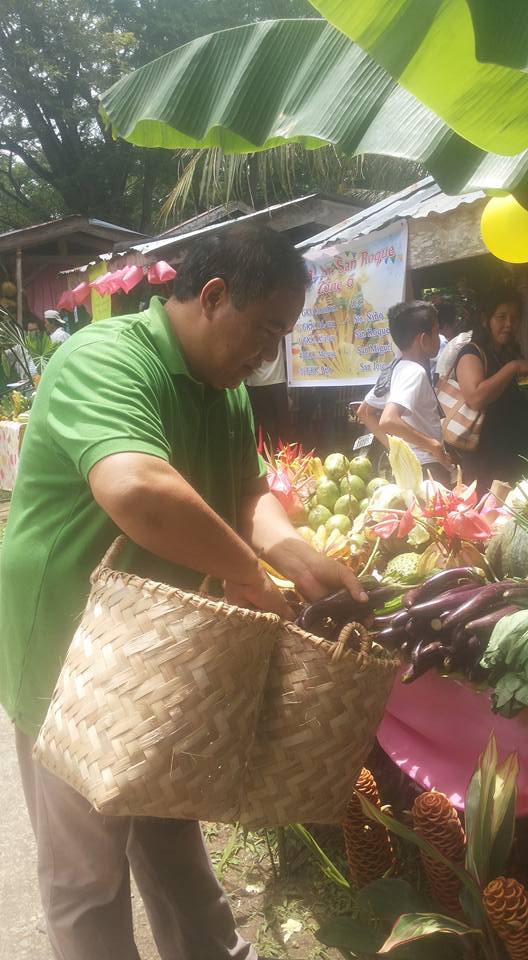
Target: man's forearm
(397,427)
(371,420)
(156,507)
(265,525)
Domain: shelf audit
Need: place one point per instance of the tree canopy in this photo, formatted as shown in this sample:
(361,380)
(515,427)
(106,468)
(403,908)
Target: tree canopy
(56,156)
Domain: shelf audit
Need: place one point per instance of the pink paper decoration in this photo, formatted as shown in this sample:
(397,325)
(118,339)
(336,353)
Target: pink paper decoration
(160,272)
(81,292)
(109,282)
(115,280)
(66,301)
(100,284)
(131,277)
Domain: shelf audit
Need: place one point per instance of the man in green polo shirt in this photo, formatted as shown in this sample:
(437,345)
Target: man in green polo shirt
(141,425)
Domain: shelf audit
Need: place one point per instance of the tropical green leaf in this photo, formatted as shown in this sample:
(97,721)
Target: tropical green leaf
(416,926)
(329,869)
(388,897)
(490,814)
(298,81)
(346,933)
(429,49)
(501,31)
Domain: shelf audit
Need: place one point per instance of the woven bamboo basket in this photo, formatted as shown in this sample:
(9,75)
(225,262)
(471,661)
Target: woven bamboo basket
(170,704)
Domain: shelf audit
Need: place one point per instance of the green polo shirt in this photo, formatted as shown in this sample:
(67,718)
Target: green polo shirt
(120,385)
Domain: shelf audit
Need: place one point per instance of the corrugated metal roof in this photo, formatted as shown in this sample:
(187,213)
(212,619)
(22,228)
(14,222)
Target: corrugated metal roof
(418,200)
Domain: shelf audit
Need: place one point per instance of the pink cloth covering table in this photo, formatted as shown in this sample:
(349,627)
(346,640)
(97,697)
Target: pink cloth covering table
(435,728)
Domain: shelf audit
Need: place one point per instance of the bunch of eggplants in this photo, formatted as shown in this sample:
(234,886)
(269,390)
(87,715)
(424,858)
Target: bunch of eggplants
(443,623)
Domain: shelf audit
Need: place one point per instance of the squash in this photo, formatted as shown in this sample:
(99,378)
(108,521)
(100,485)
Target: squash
(507,552)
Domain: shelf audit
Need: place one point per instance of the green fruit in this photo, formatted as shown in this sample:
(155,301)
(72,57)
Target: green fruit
(375,483)
(327,492)
(339,522)
(306,533)
(361,467)
(335,466)
(508,551)
(353,485)
(364,504)
(318,516)
(347,505)
(405,566)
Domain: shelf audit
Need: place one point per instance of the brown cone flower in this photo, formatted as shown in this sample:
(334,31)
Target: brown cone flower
(437,821)
(368,847)
(506,905)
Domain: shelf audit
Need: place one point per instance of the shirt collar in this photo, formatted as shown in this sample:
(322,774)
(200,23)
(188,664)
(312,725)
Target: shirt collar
(166,341)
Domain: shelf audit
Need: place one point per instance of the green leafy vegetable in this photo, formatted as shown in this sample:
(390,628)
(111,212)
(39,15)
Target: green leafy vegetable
(506,657)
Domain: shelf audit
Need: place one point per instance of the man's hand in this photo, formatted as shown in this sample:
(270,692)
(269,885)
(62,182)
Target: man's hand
(314,575)
(260,593)
(267,528)
(440,454)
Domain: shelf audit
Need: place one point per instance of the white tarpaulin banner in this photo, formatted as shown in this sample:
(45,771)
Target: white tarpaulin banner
(342,336)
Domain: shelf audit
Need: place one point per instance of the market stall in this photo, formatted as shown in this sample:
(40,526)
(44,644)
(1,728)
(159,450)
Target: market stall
(446,575)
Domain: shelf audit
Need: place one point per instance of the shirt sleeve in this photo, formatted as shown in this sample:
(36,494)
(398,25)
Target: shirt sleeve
(105,402)
(469,350)
(407,386)
(373,401)
(254,471)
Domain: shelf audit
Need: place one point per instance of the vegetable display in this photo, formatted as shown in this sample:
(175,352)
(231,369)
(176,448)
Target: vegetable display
(443,572)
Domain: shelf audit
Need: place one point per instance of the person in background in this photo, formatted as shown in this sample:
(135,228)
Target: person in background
(403,402)
(33,325)
(268,392)
(54,325)
(447,324)
(487,369)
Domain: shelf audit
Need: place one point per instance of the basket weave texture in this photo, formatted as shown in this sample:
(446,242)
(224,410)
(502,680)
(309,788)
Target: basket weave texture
(173,705)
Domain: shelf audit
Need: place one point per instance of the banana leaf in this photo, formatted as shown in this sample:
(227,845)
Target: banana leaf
(501,31)
(429,49)
(274,82)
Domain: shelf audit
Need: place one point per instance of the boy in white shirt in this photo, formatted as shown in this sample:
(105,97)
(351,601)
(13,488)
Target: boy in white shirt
(404,394)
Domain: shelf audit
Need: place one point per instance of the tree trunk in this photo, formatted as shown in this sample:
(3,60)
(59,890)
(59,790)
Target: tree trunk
(149,179)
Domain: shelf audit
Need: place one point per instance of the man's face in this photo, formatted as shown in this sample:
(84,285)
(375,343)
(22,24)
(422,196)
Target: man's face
(49,325)
(240,339)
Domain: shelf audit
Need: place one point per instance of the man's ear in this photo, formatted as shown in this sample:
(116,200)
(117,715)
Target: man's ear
(213,295)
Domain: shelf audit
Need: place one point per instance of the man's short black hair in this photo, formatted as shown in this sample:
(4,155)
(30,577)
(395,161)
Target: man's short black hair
(254,261)
(408,320)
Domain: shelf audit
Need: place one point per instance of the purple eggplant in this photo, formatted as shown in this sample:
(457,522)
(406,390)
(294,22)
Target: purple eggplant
(488,621)
(444,601)
(477,604)
(466,654)
(392,638)
(446,579)
(431,655)
(339,607)
(400,619)
(379,596)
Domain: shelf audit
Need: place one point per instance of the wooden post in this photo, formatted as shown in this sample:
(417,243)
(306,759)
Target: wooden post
(19,286)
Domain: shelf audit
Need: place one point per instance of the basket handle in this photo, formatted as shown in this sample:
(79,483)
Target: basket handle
(349,632)
(110,556)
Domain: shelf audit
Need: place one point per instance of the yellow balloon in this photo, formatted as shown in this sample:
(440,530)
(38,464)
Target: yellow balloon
(504,229)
